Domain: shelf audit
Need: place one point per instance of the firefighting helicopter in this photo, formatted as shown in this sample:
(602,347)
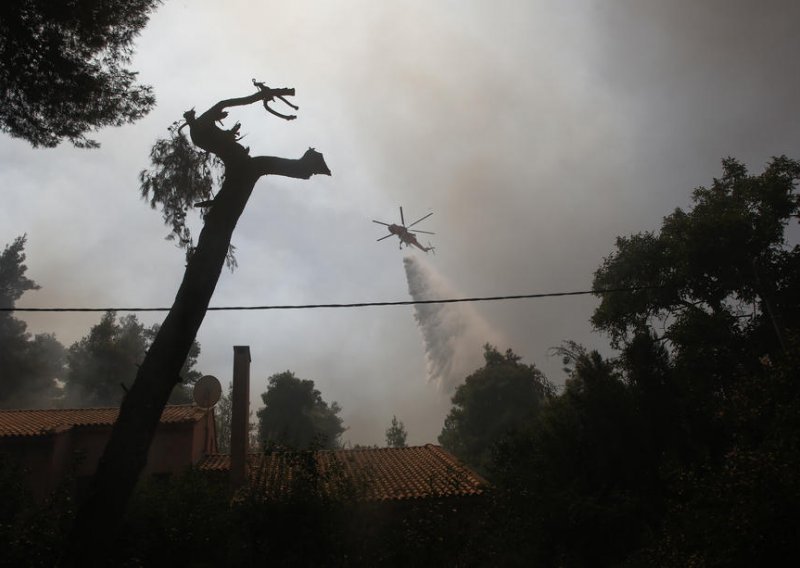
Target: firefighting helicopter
(408,238)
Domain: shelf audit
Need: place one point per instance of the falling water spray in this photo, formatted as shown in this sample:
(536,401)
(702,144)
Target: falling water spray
(454,334)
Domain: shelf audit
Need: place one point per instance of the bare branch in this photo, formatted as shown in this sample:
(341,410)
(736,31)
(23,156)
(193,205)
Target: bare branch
(312,162)
(217,112)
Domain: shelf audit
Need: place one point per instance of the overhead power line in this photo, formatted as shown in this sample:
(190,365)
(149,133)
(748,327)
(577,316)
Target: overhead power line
(352,305)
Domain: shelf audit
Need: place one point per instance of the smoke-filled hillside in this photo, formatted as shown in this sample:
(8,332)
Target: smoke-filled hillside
(454,334)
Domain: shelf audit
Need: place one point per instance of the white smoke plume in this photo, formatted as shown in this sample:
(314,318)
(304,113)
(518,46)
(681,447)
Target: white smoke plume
(454,334)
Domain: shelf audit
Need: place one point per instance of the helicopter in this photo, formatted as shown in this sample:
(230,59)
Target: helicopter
(407,237)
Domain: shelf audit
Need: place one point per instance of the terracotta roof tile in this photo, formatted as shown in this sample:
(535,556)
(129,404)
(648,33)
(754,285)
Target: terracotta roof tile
(375,474)
(43,422)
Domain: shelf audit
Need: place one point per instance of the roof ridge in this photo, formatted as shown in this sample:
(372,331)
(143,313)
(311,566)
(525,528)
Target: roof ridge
(38,422)
(84,408)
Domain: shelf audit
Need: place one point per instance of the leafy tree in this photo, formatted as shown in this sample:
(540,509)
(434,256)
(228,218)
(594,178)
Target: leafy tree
(502,396)
(29,364)
(13,282)
(62,67)
(396,434)
(727,258)
(295,416)
(722,297)
(579,485)
(680,450)
(707,348)
(125,455)
(103,364)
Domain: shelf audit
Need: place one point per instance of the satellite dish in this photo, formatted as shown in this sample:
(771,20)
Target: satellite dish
(207,391)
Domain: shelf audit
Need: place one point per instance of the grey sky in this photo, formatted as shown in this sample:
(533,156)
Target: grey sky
(536,131)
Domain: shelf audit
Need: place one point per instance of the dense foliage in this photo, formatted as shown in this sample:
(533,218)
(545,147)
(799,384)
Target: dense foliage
(295,415)
(103,364)
(581,484)
(180,177)
(723,268)
(682,450)
(29,365)
(502,396)
(63,68)
(94,371)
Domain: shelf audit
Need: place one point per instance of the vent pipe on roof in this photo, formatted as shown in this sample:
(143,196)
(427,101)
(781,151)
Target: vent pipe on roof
(240,414)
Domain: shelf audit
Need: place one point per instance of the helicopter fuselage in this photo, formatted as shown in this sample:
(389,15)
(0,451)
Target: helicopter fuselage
(402,231)
(407,237)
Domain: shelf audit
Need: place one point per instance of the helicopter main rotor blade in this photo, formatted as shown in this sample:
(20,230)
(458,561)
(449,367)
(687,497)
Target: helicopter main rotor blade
(386,237)
(426,232)
(420,219)
(380,222)
(402,221)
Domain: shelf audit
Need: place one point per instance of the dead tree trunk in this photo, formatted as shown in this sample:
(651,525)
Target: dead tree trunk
(125,455)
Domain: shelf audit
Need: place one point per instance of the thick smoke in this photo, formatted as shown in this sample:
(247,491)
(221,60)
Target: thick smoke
(454,334)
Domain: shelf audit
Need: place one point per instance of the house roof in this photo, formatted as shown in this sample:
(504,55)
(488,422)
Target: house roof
(371,474)
(48,421)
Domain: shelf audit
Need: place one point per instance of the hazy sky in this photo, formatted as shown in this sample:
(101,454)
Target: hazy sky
(535,131)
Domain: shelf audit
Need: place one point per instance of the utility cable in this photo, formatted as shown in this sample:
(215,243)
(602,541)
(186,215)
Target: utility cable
(352,305)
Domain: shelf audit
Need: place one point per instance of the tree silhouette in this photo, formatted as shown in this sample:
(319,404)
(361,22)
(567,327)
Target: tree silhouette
(126,452)
(396,434)
(62,68)
(730,255)
(103,363)
(718,289)
(296,417)
(683,449)
(28,365)
(500,397)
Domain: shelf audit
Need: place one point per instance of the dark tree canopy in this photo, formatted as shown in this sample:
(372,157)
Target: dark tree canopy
(104,363)
(683,449)
(295,416)
(726,258)
(13,282)
(29,364)
(498,398)
(63,68)
(728,300)
(573,482)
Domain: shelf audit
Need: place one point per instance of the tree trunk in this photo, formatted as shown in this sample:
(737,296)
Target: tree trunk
(125,455)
